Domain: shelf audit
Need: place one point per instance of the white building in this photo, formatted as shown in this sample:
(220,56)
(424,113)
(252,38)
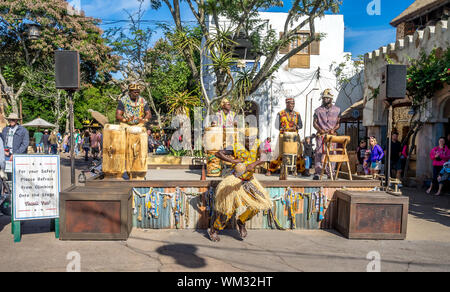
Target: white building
(299,76)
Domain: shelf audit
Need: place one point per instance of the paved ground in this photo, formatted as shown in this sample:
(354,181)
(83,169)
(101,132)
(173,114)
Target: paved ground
(427,247)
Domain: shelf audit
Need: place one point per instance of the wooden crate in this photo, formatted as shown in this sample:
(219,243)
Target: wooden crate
(371,215)
(91,213)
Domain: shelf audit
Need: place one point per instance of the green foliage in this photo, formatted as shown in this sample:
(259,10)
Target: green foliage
(428,74)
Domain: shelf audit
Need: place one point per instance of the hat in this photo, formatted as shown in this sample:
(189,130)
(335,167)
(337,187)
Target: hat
(224,101)
(13,116)
(327,93)
(289,99)
(135,86)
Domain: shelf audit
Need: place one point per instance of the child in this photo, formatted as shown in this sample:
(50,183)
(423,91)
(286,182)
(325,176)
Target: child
(361,153)
(366,163)
(444,176)
(266,150)
(308,153)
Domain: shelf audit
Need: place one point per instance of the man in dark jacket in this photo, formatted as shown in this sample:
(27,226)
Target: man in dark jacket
(15,137)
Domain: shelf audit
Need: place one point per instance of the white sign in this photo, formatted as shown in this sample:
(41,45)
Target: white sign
(36,187)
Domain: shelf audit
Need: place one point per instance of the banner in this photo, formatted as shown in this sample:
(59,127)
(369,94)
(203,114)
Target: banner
(36,187)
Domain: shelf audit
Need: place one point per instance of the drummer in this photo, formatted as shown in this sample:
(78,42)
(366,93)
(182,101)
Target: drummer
(132,108)
(288,120)
(326,122)
(225,116)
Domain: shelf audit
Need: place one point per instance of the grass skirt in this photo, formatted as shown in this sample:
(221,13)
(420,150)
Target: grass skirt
(230,195)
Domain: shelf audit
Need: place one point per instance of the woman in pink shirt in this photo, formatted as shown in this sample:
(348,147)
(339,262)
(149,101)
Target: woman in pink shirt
(439,155)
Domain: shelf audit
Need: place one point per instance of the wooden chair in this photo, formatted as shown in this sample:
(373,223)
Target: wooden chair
(340,157)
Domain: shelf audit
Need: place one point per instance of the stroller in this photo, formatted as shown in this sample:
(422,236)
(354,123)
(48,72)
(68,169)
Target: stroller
(94,169)
(5,196)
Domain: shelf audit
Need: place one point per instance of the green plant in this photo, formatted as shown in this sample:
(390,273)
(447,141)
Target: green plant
(428,74)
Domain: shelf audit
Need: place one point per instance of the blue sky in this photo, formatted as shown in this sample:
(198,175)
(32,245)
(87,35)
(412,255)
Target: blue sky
(364,33)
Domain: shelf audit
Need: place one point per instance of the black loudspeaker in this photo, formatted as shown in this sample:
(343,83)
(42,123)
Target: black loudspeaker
(393,82)
(67,70)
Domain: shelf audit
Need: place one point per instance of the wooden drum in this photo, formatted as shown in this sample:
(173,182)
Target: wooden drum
(290,143)
(114,144)
(213,139)
(136,152)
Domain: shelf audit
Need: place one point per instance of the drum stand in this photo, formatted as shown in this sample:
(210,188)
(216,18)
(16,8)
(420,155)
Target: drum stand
(289,165)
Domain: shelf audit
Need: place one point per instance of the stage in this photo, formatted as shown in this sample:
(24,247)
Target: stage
(314,201)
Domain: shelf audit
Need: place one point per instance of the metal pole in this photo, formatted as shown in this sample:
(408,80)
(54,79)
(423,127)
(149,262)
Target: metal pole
(388,175)
(72,142)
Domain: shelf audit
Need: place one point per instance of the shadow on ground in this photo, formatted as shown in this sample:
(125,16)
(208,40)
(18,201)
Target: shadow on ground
(428,207)
(184,255)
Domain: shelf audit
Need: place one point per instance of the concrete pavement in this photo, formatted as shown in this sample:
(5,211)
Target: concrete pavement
(427,247)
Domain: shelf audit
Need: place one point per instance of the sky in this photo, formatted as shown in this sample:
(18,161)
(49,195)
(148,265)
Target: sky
(364,31)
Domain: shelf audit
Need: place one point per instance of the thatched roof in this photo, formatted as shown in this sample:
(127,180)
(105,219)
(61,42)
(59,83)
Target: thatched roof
(416,9)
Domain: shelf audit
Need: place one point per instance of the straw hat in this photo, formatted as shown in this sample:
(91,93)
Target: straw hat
(13,116)
(223,102)
(327,93)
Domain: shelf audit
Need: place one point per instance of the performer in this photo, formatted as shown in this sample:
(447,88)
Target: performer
(288,120)
(326,122)
(132,108)
(225,116)
(240,189)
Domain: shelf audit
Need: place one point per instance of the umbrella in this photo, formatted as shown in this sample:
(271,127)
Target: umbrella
(39,123)
(99,117)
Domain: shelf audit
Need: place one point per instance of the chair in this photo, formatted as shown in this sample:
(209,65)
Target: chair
(336,155)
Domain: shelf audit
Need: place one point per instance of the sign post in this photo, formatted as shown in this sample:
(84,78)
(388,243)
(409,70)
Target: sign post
(36,187)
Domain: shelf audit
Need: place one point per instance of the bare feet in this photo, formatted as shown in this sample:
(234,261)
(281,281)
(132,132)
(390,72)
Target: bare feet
(242,229)
(213,235)
(428,191)
(438,194)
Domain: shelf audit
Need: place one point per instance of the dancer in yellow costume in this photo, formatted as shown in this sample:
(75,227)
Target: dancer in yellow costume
(240,189)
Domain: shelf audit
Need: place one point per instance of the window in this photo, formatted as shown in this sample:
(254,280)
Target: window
(301,59)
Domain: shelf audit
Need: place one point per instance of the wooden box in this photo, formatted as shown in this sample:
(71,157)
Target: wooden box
(371,215)
(92,213)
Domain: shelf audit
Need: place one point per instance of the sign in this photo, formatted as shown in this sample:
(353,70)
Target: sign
(36,187)
(355,114)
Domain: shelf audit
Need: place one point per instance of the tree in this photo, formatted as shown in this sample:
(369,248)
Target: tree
(243,19)
(60,29)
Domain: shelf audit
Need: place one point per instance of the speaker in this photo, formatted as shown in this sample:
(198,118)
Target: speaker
(393,82)
(67,70)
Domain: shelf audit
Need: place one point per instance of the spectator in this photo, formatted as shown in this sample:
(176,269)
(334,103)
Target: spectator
(396,153)
(308,153)
(439,155)
(77,137)
(376,155)
(15,137)
(95,143)
(444,176)
(361,153)
(38,140)
(366,164)
(45,141)
(66,146)
(53,141)
(60,139)
(86,145)
(152,144)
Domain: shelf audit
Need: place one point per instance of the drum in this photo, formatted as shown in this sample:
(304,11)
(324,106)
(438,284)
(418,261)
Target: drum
(136,152)
(213,164)
(213,139)
(290,143)
(114,142)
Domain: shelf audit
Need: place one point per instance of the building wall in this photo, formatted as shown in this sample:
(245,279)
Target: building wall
(426,40)
(297,83)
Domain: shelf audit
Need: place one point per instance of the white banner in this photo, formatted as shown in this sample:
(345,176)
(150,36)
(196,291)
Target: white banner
(36,187)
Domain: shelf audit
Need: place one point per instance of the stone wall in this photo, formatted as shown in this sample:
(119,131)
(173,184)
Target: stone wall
(400,52)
